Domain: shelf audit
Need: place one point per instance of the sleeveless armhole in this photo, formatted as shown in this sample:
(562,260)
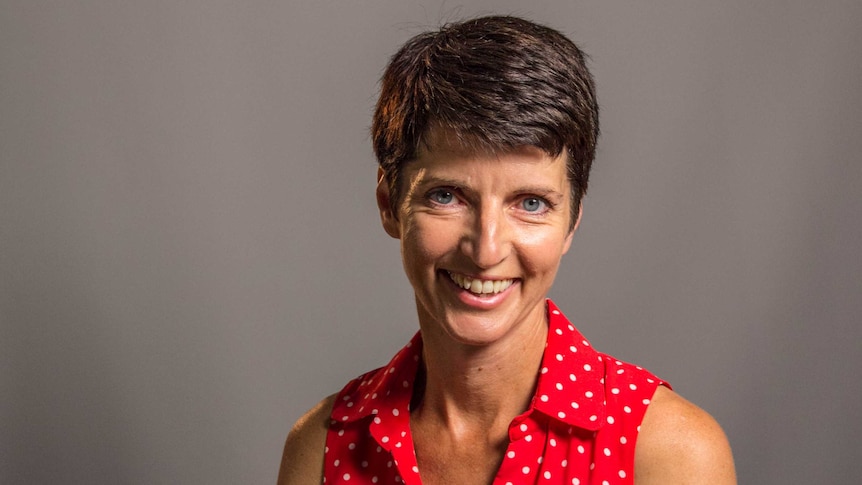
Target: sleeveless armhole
(629,390)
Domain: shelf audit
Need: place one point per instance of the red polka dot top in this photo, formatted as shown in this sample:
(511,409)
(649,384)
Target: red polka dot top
(581,426)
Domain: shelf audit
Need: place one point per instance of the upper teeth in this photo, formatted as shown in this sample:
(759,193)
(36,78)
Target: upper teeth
(480,286)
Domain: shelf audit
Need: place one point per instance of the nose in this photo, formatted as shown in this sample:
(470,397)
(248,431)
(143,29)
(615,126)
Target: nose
(488,240)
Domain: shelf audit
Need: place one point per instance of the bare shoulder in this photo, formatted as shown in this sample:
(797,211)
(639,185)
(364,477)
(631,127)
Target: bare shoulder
(681,443)
(302,461)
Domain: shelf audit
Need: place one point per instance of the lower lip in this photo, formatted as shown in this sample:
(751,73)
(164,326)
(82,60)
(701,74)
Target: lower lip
(482,302)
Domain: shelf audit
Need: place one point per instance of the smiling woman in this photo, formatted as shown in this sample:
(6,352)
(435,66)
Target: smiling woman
(465,229)
(485,132)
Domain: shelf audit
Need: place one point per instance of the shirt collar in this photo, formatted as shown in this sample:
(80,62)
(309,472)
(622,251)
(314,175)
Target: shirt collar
(571,380)
(383,392)
(570,387)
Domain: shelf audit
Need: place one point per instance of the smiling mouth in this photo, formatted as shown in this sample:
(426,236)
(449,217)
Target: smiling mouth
(479,286)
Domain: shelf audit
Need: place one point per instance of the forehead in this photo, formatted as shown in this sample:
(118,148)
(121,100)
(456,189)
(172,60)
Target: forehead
(447,149)
(523,169)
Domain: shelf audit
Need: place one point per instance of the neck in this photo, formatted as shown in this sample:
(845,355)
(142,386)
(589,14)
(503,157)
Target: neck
(470,386)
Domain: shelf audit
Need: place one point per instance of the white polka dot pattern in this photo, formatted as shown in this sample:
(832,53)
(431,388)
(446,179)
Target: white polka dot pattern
(581,427)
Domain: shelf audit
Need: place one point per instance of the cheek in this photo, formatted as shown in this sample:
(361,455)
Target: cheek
(425,243)
(541,253)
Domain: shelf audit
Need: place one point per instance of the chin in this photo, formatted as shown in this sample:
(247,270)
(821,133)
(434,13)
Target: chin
(477,331)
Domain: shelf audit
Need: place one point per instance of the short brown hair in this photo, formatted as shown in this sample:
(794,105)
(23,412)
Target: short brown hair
(496,83)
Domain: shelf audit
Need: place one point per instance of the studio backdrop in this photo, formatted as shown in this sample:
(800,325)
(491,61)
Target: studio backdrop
(191,255)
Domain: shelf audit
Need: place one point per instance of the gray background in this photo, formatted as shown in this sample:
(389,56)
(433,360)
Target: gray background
(190,254)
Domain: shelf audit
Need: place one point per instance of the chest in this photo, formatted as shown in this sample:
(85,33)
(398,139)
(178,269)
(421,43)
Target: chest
(443,459)
(442,466)
(532,454)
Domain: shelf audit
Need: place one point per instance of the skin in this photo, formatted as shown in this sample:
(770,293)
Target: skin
(505,217)
(495,217)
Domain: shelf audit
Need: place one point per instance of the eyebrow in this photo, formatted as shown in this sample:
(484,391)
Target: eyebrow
(433,180)
(540,190)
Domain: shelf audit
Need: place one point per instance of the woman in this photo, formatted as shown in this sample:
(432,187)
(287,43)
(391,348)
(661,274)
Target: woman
(485,132)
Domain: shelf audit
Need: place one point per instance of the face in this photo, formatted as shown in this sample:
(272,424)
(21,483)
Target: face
(481,236)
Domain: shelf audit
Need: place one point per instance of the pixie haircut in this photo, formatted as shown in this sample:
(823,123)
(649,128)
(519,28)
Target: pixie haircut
(488,84)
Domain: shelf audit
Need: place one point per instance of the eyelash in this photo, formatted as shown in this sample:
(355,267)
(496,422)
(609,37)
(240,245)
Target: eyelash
(548,206)
(452,192)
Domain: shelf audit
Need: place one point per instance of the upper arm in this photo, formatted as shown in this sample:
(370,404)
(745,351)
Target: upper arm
(302,460)
(681,443)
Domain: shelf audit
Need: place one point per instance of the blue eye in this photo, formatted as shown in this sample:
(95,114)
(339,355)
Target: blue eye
(533,204)
(441,196)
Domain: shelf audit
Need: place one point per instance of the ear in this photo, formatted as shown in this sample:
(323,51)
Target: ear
(387,217)
(568,243)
